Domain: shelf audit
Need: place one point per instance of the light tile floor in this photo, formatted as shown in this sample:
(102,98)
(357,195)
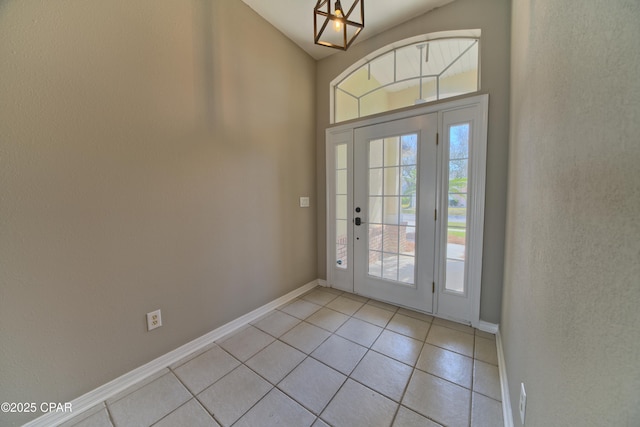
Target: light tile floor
(327,358)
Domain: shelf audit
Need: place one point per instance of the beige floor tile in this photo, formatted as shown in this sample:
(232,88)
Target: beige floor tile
(94,417)
(409,326)
(486,351)
(204,370)
(275,361)
(485,412)
(439,400)
(359,331)
(327,319)
(190,414)
(340,354)
(486,380)
(233,395)
(320,423)
(245,343)
(305,337)
(446,364)
(372,314)
(399,347)
(355,297)
(332,290)
(435,394)
(277,323)
(454,325)
(300,308)
(150,403)
(313,384)
(345,305)
(380,304)
(320,297)
(451,339)
(486,335)
(192,355)
(137,386)
(407,418)
(274,410)
(358,406)
(415,314)
(383,374)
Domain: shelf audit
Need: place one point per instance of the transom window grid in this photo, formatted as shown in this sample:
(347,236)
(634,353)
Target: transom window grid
(417,73)
(392,207)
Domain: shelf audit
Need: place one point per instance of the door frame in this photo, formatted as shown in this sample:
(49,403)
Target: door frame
(342,278)
(417,295)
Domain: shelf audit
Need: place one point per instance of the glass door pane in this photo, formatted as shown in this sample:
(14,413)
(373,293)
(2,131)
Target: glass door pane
(392,191)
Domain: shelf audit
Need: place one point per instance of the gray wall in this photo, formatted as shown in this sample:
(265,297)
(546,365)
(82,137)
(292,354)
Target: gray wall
(493,18)
(570,318)
(151,156)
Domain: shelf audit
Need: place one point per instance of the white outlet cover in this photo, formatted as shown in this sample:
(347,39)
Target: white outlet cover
(304,202)
(154,320)
(523,402)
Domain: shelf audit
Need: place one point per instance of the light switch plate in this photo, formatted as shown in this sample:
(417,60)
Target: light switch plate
(304,202)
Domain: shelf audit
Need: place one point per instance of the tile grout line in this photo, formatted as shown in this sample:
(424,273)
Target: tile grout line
(111,420)
(472,381)
(300,403)
(347,376)
(413,370)
(193,395)
(369,348)
(309,355)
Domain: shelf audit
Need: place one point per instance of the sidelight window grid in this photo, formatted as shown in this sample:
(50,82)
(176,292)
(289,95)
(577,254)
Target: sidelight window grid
(341,197)
(457,212)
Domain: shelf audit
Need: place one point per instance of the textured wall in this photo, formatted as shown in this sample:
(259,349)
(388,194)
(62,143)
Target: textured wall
(151,156)
(570,319)
(492,17)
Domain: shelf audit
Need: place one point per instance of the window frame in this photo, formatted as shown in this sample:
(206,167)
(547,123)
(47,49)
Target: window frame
(474,34)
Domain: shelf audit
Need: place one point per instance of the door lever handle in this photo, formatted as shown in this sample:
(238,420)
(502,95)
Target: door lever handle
(358,221)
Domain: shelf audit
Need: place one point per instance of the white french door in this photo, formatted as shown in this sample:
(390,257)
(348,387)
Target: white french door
(394,185)
(405,207)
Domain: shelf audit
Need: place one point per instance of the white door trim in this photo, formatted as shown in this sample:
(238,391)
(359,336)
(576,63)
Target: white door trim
(345,132)
(417,294)
(464,308)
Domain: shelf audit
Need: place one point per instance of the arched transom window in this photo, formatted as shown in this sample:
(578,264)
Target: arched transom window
(408,73)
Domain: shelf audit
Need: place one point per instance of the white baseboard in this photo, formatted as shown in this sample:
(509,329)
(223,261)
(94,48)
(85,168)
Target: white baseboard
(104,392)
(491,328)
(507,415)
(323,283)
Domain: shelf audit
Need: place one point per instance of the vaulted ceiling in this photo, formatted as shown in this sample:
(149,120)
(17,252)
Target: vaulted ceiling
(294,18)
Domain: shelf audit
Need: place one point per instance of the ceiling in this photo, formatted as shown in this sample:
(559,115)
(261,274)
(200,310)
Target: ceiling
(294,18)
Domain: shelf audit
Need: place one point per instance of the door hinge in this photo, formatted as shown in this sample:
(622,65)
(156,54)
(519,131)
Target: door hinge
(433,287)
(437,138)
(435,214)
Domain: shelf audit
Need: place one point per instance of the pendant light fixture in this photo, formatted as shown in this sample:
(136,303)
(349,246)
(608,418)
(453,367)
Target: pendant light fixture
(337,28)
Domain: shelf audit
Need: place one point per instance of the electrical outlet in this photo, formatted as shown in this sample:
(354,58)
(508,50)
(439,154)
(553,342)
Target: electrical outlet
(154,320)
(523,402)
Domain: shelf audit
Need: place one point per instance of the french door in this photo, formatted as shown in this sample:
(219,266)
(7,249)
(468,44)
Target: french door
(405,207)
(394,184)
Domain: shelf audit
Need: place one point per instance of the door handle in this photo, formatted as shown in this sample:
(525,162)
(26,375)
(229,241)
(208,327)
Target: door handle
(358,221)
